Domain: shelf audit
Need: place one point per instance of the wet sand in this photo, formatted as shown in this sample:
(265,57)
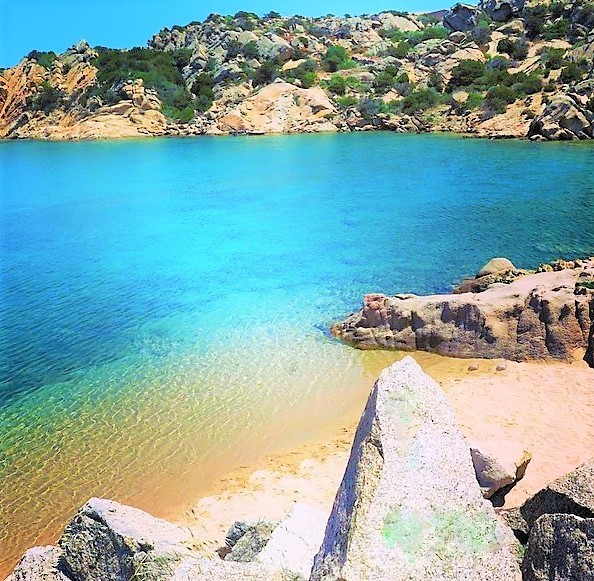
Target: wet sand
(546,407)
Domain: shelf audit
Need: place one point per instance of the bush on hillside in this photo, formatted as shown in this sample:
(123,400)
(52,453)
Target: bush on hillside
(465,73)
(159,70)
(44,59)
(47,98)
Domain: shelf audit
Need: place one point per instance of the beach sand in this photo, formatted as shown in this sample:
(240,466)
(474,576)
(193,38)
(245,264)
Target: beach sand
(546,407)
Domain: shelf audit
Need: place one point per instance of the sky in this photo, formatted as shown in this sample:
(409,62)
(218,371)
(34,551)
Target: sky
(55,25)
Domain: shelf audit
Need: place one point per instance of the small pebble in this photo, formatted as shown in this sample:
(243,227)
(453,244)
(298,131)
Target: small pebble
(473,367)
(501,367)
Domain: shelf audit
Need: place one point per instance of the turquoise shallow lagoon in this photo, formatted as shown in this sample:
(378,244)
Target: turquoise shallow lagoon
(164,302)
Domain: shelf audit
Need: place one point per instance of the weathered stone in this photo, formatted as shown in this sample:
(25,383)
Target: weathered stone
(564,118)
(39,564)
(295,542)
(461,17)
(409,506)
(561,547)
(502,10)
(107,540)
(537,316)
(495,265)
(570,494)
(246,540)
(513,518)
(495,471)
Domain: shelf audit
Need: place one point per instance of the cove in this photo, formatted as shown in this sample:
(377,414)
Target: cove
(163,302)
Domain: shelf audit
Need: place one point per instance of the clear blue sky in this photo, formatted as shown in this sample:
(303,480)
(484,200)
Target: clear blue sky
(57,24)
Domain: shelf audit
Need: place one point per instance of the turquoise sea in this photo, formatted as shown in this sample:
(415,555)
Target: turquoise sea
(164,303)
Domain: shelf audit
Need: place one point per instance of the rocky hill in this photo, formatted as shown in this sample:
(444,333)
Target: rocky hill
(500,69)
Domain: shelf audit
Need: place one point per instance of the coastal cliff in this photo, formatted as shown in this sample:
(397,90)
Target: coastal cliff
(509,314)
(500,69)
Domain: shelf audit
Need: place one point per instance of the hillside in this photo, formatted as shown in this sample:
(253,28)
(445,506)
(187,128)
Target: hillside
(503,69)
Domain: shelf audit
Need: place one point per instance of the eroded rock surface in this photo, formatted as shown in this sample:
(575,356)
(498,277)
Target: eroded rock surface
(561,547)
(570,494)
(538,316)
(409,506)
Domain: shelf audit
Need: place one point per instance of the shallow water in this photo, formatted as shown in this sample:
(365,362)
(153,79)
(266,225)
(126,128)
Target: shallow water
(163,302)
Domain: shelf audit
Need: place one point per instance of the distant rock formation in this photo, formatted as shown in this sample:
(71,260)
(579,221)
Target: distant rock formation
(536,316)
(394,72)
(409,506)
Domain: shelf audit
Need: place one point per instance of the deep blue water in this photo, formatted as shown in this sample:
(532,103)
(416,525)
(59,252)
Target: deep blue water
(187,282)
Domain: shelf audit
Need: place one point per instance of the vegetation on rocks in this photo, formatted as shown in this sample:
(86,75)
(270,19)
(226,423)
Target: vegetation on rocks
(378,70)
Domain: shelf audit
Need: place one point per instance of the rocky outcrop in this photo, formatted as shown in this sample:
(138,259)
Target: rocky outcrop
(461,17)
(561,547)
(281,108)
(502,10)
(409,506)
(538,316)
(570,494)
(40,563)
(565,118)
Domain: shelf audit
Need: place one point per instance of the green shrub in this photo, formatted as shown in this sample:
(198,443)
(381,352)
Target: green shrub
(47,98)
(557,29)
(400,50)
(465,73)
(159,70)
(44,59)
(305,73)
(266,73)
(337,85)
(202,88)
(516,49)
(572,72)
(347,101)
(499,97)
(474,101)
(554,58)
(420,101)
(251,51)
(335,58)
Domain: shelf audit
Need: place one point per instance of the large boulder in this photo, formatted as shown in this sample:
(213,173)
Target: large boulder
(495,265)
(461,17)
(561,547)
(409,506)
(538,316)
(107,540)
(565,118)
(502,10)
(570,494)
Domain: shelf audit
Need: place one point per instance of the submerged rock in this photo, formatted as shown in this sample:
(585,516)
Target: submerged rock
(561,547)
(409,506)
(538,316)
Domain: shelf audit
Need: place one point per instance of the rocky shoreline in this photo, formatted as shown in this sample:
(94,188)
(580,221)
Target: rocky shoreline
(411,483)
(505,313)
(501,69)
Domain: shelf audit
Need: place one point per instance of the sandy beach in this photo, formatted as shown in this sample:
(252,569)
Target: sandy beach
(546,407)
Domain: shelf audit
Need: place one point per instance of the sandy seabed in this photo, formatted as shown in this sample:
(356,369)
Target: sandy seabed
(548,408)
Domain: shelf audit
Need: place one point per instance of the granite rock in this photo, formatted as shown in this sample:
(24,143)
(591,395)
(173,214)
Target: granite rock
(409,506)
